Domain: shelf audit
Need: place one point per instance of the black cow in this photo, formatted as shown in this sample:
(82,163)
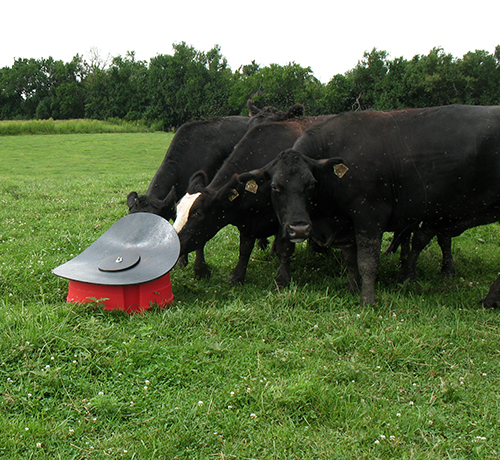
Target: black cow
(429,171)
(205,209)
(409,259)
(199,145)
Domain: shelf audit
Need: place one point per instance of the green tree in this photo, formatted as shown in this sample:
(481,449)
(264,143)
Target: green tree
(188,85)
(432,80)
(127,91)
(10,98)
(280,86)
(480,72)
(66,92)
(96,94)
(360,88)
(23,87)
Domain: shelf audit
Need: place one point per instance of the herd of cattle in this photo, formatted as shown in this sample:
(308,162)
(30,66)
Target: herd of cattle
(337,180)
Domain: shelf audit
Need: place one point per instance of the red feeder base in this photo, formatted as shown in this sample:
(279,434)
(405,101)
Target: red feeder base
(131,298)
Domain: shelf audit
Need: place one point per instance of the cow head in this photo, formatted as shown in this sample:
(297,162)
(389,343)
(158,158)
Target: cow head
(144,203)
(200,213)
(270,113)
(293,179)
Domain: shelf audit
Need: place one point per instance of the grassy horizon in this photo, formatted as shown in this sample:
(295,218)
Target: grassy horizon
(244,372)
(76,126)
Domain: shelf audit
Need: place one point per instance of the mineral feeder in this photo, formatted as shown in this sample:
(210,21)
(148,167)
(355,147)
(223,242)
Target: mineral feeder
(127,267)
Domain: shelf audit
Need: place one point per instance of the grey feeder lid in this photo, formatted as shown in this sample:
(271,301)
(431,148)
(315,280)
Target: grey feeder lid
(140,247)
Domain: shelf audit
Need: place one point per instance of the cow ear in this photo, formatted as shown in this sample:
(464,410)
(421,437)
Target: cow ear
(252,108)
(339,168)
(253,179)
(296,111)
(198,182)
(132,199)
(229,192)
(170,200)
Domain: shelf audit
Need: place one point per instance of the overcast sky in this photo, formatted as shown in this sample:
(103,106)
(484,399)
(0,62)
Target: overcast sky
(327,35)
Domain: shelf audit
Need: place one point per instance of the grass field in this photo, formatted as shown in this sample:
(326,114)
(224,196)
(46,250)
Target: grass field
(241,372)
(50,126)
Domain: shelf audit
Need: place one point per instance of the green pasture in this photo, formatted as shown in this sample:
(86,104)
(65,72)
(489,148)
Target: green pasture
(244,372)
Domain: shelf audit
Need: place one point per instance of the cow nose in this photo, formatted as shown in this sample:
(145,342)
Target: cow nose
(297,233)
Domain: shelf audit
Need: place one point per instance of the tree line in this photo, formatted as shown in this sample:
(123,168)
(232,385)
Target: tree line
(170,90)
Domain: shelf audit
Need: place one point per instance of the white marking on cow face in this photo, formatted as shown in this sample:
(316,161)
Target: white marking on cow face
(183,208)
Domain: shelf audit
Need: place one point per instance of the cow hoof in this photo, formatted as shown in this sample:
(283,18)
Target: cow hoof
(282,283)
(490,303)
(367,299)
(353,287)
(202,273)
(263,243)
(406,278)
(448,272)
(182,262)
(234,280)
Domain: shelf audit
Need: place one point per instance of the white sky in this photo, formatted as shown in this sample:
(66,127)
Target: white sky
(330,36)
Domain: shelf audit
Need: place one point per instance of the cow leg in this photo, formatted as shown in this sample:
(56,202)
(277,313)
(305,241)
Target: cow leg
(405,247)
(420,240)
(201,268)
(368,249)
(182,261)
(263,243)
(284,251)
(350,255)
(401,239)
(448,265)
(492,300)
(246,248)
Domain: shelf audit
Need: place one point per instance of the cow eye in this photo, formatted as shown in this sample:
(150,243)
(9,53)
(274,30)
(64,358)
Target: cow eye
(275,188)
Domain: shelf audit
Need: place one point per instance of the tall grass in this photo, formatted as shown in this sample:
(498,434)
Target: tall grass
(84,126)
(228,372)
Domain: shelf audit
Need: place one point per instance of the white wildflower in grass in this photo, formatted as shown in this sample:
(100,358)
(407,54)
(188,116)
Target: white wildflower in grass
(200,403)
(232,394)
(377,441)
(101,393)
(38,445)
(252,416)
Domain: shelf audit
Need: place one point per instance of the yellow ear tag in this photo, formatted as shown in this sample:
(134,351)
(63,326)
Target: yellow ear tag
(340,170)
(251,186)
(234,195)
